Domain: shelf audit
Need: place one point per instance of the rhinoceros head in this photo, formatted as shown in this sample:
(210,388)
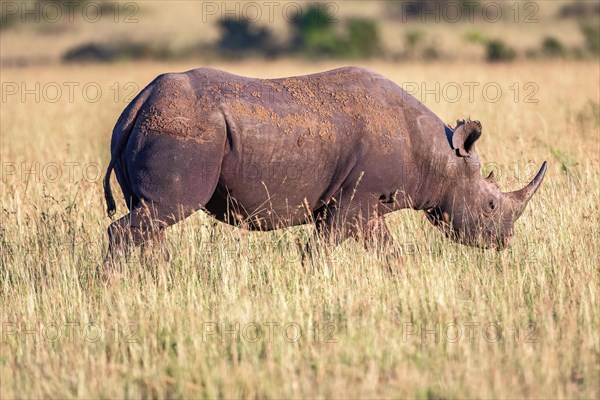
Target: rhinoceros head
(474,211)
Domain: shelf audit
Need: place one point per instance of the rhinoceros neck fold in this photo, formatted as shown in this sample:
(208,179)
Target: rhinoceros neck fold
(433,167)
(430,190)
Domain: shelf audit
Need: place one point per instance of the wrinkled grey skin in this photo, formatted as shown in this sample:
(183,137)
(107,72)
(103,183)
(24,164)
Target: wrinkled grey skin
(339,149)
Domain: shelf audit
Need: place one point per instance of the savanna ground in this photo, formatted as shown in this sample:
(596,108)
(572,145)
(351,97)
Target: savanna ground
(237,314)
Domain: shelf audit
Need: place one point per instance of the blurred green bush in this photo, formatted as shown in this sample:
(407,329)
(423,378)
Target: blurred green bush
(552,47)
(116,51)
(241,38)
(315,36)
(498,51)
(591,33)
(314,33)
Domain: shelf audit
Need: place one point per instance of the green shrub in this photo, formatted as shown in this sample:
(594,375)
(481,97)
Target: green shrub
(315,36)
(363,38)
(475,36)
(413,38)
(591,32)
(110,52)
(431,53)
(119,51)
(552,47)
(497,51)
(319,44)
(579,9)
(314,32)
(240,37)
(88,52)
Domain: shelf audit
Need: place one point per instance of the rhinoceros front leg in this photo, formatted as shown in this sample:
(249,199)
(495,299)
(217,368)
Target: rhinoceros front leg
(379,241)
(329,232)
(336,224)
(377,236)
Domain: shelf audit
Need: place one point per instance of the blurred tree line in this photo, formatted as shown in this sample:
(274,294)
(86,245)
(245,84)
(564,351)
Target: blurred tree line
(314,33)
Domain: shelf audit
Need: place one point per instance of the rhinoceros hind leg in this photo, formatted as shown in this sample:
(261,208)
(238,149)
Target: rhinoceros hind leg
(143,226)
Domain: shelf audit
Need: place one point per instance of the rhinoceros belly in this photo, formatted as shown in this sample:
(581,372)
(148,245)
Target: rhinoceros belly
(278,168)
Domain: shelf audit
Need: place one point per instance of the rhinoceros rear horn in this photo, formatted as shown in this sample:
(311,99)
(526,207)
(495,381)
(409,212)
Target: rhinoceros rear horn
(521,197)
(464,137)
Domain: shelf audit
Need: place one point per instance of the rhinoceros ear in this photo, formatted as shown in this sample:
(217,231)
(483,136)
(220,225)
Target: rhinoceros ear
(464,137)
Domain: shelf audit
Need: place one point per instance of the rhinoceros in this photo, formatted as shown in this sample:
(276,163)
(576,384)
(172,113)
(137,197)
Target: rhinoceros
(338,149)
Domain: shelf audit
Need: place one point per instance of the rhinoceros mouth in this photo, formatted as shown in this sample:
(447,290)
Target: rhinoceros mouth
(483,239)
(439,219)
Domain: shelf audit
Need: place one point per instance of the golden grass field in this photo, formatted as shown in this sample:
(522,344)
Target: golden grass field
(237,314)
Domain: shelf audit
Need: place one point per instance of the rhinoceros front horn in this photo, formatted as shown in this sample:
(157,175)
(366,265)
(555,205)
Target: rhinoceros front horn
(521,197)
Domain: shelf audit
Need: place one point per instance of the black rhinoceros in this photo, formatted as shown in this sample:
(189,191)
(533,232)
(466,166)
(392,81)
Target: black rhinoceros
(339,149)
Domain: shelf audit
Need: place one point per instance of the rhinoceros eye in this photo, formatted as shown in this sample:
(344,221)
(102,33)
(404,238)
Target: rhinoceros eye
(491,205)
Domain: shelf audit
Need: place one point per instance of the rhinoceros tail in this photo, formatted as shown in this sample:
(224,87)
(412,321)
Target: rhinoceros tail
(111,207)
(120,137)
